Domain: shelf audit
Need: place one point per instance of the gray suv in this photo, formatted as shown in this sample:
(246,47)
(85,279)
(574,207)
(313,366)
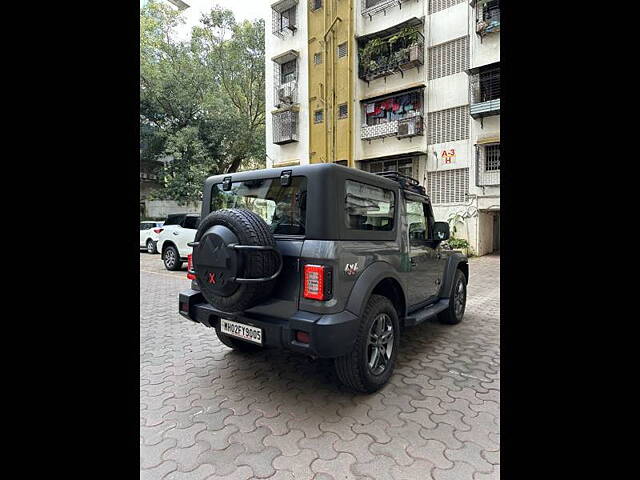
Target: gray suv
(323,260)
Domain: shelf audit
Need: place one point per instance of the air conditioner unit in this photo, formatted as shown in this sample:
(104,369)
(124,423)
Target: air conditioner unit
(409,127)
(403,129)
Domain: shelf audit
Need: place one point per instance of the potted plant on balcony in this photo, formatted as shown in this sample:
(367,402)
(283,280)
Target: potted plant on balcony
(410,37)
(371,57)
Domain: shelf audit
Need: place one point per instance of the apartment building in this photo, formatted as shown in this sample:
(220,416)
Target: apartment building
(405,85)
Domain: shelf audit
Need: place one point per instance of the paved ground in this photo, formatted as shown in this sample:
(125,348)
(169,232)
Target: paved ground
(209,412)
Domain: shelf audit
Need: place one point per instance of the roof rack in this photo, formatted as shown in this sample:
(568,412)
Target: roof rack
(405,181)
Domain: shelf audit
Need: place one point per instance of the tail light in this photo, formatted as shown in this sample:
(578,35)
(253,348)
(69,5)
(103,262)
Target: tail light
(317,282)
(158,230)
(191,273)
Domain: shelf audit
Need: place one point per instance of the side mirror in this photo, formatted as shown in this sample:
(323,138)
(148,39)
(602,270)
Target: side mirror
(441,231)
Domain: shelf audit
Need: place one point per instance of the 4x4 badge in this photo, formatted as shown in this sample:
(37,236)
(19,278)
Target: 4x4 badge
(351,268)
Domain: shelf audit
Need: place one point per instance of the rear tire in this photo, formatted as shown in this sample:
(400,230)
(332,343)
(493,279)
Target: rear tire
(236,344)
(360,369)
(151,247)
(457,301)
(171,258)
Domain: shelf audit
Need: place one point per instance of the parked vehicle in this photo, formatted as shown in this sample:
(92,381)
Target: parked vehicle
(178,230)
(324,260)
(149,235)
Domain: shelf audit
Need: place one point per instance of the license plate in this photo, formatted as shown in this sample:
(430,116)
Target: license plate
(240,330)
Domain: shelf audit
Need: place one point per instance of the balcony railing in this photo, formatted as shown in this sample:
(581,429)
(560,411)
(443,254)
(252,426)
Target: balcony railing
(284,18)
(488,165)
(487,17)
(286,94)
(387,58)
(406,127)
(484,93)
(285,127)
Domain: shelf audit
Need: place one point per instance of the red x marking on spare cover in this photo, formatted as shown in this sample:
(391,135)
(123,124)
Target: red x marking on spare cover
(212,277)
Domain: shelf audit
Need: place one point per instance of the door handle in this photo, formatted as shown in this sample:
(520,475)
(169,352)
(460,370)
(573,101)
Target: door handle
(413,263)
(176,233)
(438,256)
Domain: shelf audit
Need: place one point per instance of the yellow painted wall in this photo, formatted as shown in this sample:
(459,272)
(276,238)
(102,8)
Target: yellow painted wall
(331,82)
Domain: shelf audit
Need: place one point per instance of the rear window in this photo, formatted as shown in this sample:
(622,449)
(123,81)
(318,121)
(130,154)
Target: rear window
(282,208)
(174,220)
(368,207)
(191,222)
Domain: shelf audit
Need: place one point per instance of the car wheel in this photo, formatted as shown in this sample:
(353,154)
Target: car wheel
(236,344)
(171,258)
(151,247)
(370,365)
(457,301)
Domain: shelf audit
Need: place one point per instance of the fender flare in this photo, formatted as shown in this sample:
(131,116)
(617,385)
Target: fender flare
(449,272)
(164,244)
(366,282)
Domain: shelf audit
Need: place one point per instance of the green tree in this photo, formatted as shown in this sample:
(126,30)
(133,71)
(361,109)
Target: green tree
(201,101)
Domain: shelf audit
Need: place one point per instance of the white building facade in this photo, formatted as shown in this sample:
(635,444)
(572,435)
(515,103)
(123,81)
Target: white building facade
(425,100)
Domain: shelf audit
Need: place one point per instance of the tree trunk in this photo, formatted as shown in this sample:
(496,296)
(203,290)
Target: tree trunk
(234,165)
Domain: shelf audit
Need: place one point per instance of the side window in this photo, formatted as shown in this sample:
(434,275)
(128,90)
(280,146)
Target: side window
(143,226)
(368,207)
(417,221)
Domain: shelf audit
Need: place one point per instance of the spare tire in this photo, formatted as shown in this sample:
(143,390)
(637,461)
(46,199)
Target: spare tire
(217,265)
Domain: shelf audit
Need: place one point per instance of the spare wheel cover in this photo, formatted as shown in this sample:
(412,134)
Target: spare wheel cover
(217,264)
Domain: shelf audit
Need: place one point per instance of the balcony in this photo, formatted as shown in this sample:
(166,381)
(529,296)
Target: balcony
(284,18)
(398,115)
(488,165)
(487,17)
(484,91)
(285,127)
(390,52)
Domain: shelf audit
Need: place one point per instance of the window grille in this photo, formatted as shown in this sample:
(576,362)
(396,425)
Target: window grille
(448,186)
(285,127)
(449,58)
(492,155)
(343,111)
(485,85)
(448,125)
(403,166)
(488,165)
(342,50)
(317,116)
(284,18)
(437,5)
(285,83)
(317,58)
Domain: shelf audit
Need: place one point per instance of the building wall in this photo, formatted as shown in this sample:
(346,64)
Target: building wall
(331,82)
(296,152)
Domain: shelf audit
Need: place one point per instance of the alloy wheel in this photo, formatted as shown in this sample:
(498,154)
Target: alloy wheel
(169,258)
(459,298)
(380,344)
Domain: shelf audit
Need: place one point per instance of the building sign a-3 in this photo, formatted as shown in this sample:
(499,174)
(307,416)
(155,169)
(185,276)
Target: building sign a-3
(448,157)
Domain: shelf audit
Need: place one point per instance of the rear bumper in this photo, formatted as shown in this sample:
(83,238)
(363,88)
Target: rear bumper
(331,335)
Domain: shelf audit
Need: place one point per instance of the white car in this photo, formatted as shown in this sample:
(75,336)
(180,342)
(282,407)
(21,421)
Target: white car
(149,235)
(178,230)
